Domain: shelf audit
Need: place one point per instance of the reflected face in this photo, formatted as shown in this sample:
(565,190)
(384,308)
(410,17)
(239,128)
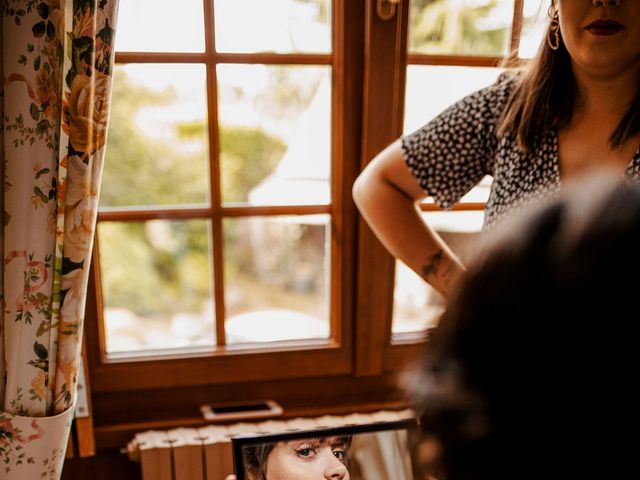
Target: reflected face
(602,36)
(308,459)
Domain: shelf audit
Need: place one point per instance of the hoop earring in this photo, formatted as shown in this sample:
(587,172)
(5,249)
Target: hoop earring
(553,35)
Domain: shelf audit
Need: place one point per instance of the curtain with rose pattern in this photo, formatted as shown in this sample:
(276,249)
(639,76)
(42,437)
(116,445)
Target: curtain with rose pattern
(57,59)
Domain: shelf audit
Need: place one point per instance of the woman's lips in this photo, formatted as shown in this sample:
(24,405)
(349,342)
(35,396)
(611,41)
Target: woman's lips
(604,27)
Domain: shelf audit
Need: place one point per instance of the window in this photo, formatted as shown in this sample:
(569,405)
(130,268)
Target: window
(228,249)
(222,215)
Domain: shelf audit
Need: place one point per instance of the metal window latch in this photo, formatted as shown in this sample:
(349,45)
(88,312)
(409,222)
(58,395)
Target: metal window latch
(386,9)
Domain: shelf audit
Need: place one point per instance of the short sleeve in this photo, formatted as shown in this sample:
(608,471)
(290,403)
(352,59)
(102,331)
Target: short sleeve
(453,152)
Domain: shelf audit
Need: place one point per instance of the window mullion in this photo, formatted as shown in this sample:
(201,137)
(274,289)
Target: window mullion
(267,58)
(209,27)
(217,242)
(453,60)
(384,84)
(516,27)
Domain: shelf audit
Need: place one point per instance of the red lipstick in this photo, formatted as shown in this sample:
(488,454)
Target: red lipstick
(604,27)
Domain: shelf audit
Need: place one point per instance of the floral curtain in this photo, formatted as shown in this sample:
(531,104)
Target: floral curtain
(57,58)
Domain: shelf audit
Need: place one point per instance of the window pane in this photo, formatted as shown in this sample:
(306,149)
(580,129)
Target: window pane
(156,285)
(431,89)
(534,27)
(281,26)
(160,26)
(275,137)
(157,152)
(460,27)
(277,278)
(417,306)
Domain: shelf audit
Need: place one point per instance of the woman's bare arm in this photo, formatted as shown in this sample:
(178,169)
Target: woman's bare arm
(387,196)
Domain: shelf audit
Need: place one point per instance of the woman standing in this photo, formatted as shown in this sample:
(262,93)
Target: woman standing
(574,107)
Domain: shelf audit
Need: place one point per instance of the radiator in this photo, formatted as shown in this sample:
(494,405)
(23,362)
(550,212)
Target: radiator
(205,453)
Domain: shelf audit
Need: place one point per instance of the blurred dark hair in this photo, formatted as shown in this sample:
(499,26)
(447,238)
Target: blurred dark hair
(531,369)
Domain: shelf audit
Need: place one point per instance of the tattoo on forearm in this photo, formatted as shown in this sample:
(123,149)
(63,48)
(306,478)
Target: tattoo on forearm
(431,267)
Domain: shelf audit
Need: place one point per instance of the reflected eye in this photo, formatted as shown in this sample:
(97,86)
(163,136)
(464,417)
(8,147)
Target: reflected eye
(305,451)
(339,453)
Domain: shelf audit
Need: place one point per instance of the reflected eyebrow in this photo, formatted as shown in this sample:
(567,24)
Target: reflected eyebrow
(320,441)
(313,441)
(337,440)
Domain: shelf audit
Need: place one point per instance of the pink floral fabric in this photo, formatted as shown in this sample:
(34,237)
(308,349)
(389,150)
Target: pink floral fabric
(57,59)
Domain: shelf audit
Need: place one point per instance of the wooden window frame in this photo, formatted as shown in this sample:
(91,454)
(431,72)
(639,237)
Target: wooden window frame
(363,363)
(282,360)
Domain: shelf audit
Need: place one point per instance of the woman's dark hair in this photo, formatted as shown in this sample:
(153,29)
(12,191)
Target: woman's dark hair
(255,460)
(544,98)
(531,372)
